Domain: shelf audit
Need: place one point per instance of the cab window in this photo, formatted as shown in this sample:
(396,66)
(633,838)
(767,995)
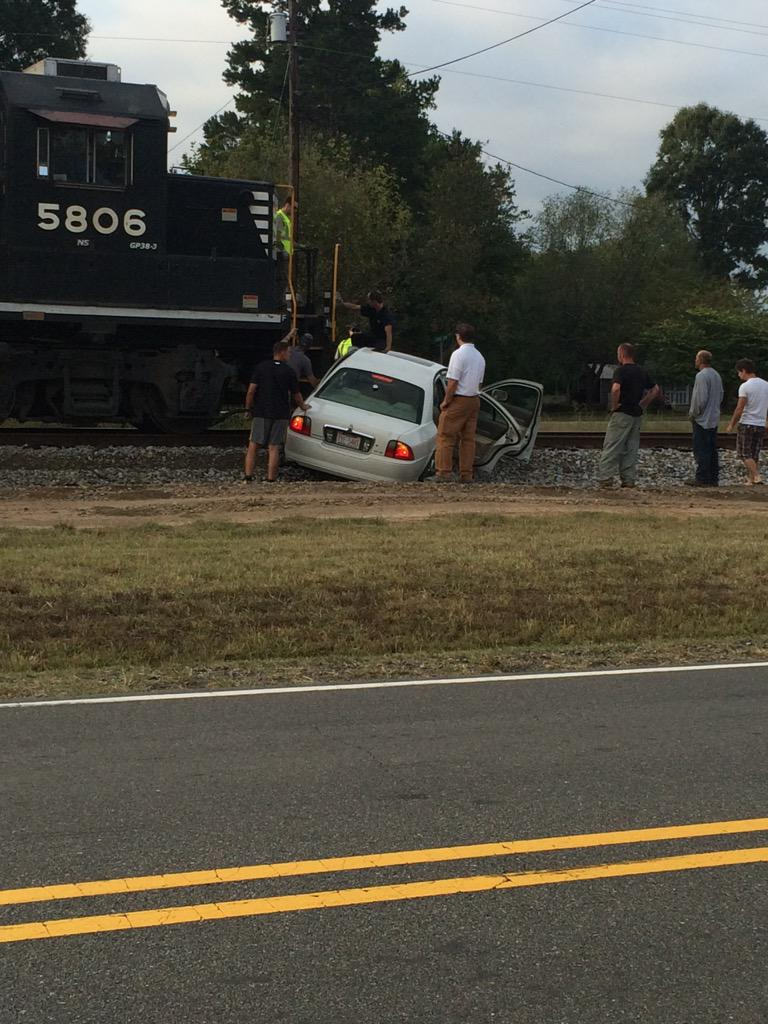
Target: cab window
(69,157)
(84,156)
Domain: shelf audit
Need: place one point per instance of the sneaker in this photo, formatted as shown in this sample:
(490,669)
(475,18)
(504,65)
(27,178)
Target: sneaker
(606,485)
(627,483)
(246,480)
(437,479)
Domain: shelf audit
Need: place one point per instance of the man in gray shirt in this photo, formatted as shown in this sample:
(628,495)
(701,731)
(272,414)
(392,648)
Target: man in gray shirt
(300,362)
(706,400)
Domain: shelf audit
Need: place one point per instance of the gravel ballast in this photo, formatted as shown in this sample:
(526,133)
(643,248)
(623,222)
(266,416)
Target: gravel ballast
(25,467)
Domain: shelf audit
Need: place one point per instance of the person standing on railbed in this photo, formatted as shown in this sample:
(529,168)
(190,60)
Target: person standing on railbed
(272,395)
(750,417)
(460,408)
(706,399)
(301,364)
(631,391)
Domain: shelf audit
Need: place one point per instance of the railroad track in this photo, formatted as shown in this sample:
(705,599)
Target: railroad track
(43,437)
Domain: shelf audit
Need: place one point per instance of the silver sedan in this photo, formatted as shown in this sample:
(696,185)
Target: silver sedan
(374,417)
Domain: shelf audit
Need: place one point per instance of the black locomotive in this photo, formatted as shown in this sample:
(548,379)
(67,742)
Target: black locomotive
(126,292)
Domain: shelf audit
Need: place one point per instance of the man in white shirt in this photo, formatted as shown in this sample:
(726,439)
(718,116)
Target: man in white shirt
(460,407)
(750,414)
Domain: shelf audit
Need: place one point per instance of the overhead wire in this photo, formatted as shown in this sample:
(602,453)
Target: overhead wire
(201,125)
(546,177)
(503,42)
(610,31)
(280,101)
(624,7)
(525,82)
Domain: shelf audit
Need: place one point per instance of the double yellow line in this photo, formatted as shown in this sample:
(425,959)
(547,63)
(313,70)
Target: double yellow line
(375,894)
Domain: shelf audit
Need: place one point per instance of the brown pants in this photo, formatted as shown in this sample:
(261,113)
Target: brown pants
(457,423)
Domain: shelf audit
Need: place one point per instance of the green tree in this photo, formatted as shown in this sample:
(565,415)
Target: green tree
(33,29)
(712,167)
(343,200)
(464,253)
(345,87)
(602,271)
(729,333)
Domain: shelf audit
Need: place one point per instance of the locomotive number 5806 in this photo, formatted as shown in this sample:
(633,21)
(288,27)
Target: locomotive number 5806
(76,219)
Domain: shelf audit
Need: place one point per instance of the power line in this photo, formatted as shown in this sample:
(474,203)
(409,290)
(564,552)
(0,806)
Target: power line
(610,31)
(525,82)
(586,92)
(546,177)
(633,8)
(495,46)
(707,23)
(201,125)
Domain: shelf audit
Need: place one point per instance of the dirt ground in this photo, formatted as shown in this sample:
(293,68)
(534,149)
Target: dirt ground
(187,504)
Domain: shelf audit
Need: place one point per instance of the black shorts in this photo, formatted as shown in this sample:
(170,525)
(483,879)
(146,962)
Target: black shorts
(266,432)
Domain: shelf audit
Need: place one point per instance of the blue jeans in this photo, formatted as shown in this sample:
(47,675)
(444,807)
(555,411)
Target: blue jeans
(705,454)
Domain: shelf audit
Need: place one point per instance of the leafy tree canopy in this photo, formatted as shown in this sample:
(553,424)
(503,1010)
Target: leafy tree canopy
(33,29)
(712,167)
(343,200)
(345,87)
(464,252)
(738,332)
(601,273)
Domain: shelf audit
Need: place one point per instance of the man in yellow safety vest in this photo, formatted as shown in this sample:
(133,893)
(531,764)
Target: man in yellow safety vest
(345,347)
(283,226)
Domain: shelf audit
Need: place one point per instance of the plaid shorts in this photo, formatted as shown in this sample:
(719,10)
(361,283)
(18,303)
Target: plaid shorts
(749,441)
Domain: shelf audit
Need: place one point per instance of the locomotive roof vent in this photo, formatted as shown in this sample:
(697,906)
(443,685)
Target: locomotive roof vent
(58,68)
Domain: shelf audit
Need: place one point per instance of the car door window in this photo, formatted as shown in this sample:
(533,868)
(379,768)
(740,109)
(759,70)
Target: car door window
(520,400)
(492,425)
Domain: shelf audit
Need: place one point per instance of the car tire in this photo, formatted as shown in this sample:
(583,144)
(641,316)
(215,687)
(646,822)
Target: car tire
(429,469)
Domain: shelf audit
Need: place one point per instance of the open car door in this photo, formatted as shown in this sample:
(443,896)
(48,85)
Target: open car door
(508,422)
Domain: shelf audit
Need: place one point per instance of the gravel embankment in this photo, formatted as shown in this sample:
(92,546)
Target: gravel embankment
(22,467)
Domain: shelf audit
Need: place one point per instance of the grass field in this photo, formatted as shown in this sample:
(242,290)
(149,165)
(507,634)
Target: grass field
(158,607)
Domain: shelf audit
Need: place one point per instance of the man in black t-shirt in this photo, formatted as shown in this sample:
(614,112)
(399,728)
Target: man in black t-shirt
(379,335)
(631,391)
(270,400)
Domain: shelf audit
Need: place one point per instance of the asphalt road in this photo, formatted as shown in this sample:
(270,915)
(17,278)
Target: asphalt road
(115,791)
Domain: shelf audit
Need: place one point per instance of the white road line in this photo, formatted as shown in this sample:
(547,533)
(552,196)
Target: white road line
(269,691)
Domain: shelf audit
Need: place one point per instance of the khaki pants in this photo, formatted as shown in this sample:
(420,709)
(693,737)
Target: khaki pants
(457,423)
(621,448)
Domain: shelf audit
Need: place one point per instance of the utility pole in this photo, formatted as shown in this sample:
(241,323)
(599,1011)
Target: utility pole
(293,114)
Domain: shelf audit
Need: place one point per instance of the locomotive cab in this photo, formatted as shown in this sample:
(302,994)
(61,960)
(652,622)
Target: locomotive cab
(125,291)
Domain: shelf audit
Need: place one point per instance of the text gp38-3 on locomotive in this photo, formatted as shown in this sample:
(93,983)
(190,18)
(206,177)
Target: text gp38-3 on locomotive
(126,292)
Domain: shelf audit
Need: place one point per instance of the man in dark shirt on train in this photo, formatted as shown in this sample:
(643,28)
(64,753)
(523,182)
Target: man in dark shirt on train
(379,334)
(631,391)
(272,395)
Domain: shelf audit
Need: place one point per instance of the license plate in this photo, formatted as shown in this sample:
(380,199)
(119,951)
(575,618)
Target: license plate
(349,441)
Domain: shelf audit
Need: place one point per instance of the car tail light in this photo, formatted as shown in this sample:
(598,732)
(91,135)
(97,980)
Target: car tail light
(301,425)
(399,450)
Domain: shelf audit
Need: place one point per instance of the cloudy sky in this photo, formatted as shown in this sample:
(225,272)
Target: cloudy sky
(531,101)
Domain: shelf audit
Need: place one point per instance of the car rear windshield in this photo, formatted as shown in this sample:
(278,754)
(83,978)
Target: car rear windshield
(375,392)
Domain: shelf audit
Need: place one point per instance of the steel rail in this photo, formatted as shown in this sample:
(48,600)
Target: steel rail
(60,437)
